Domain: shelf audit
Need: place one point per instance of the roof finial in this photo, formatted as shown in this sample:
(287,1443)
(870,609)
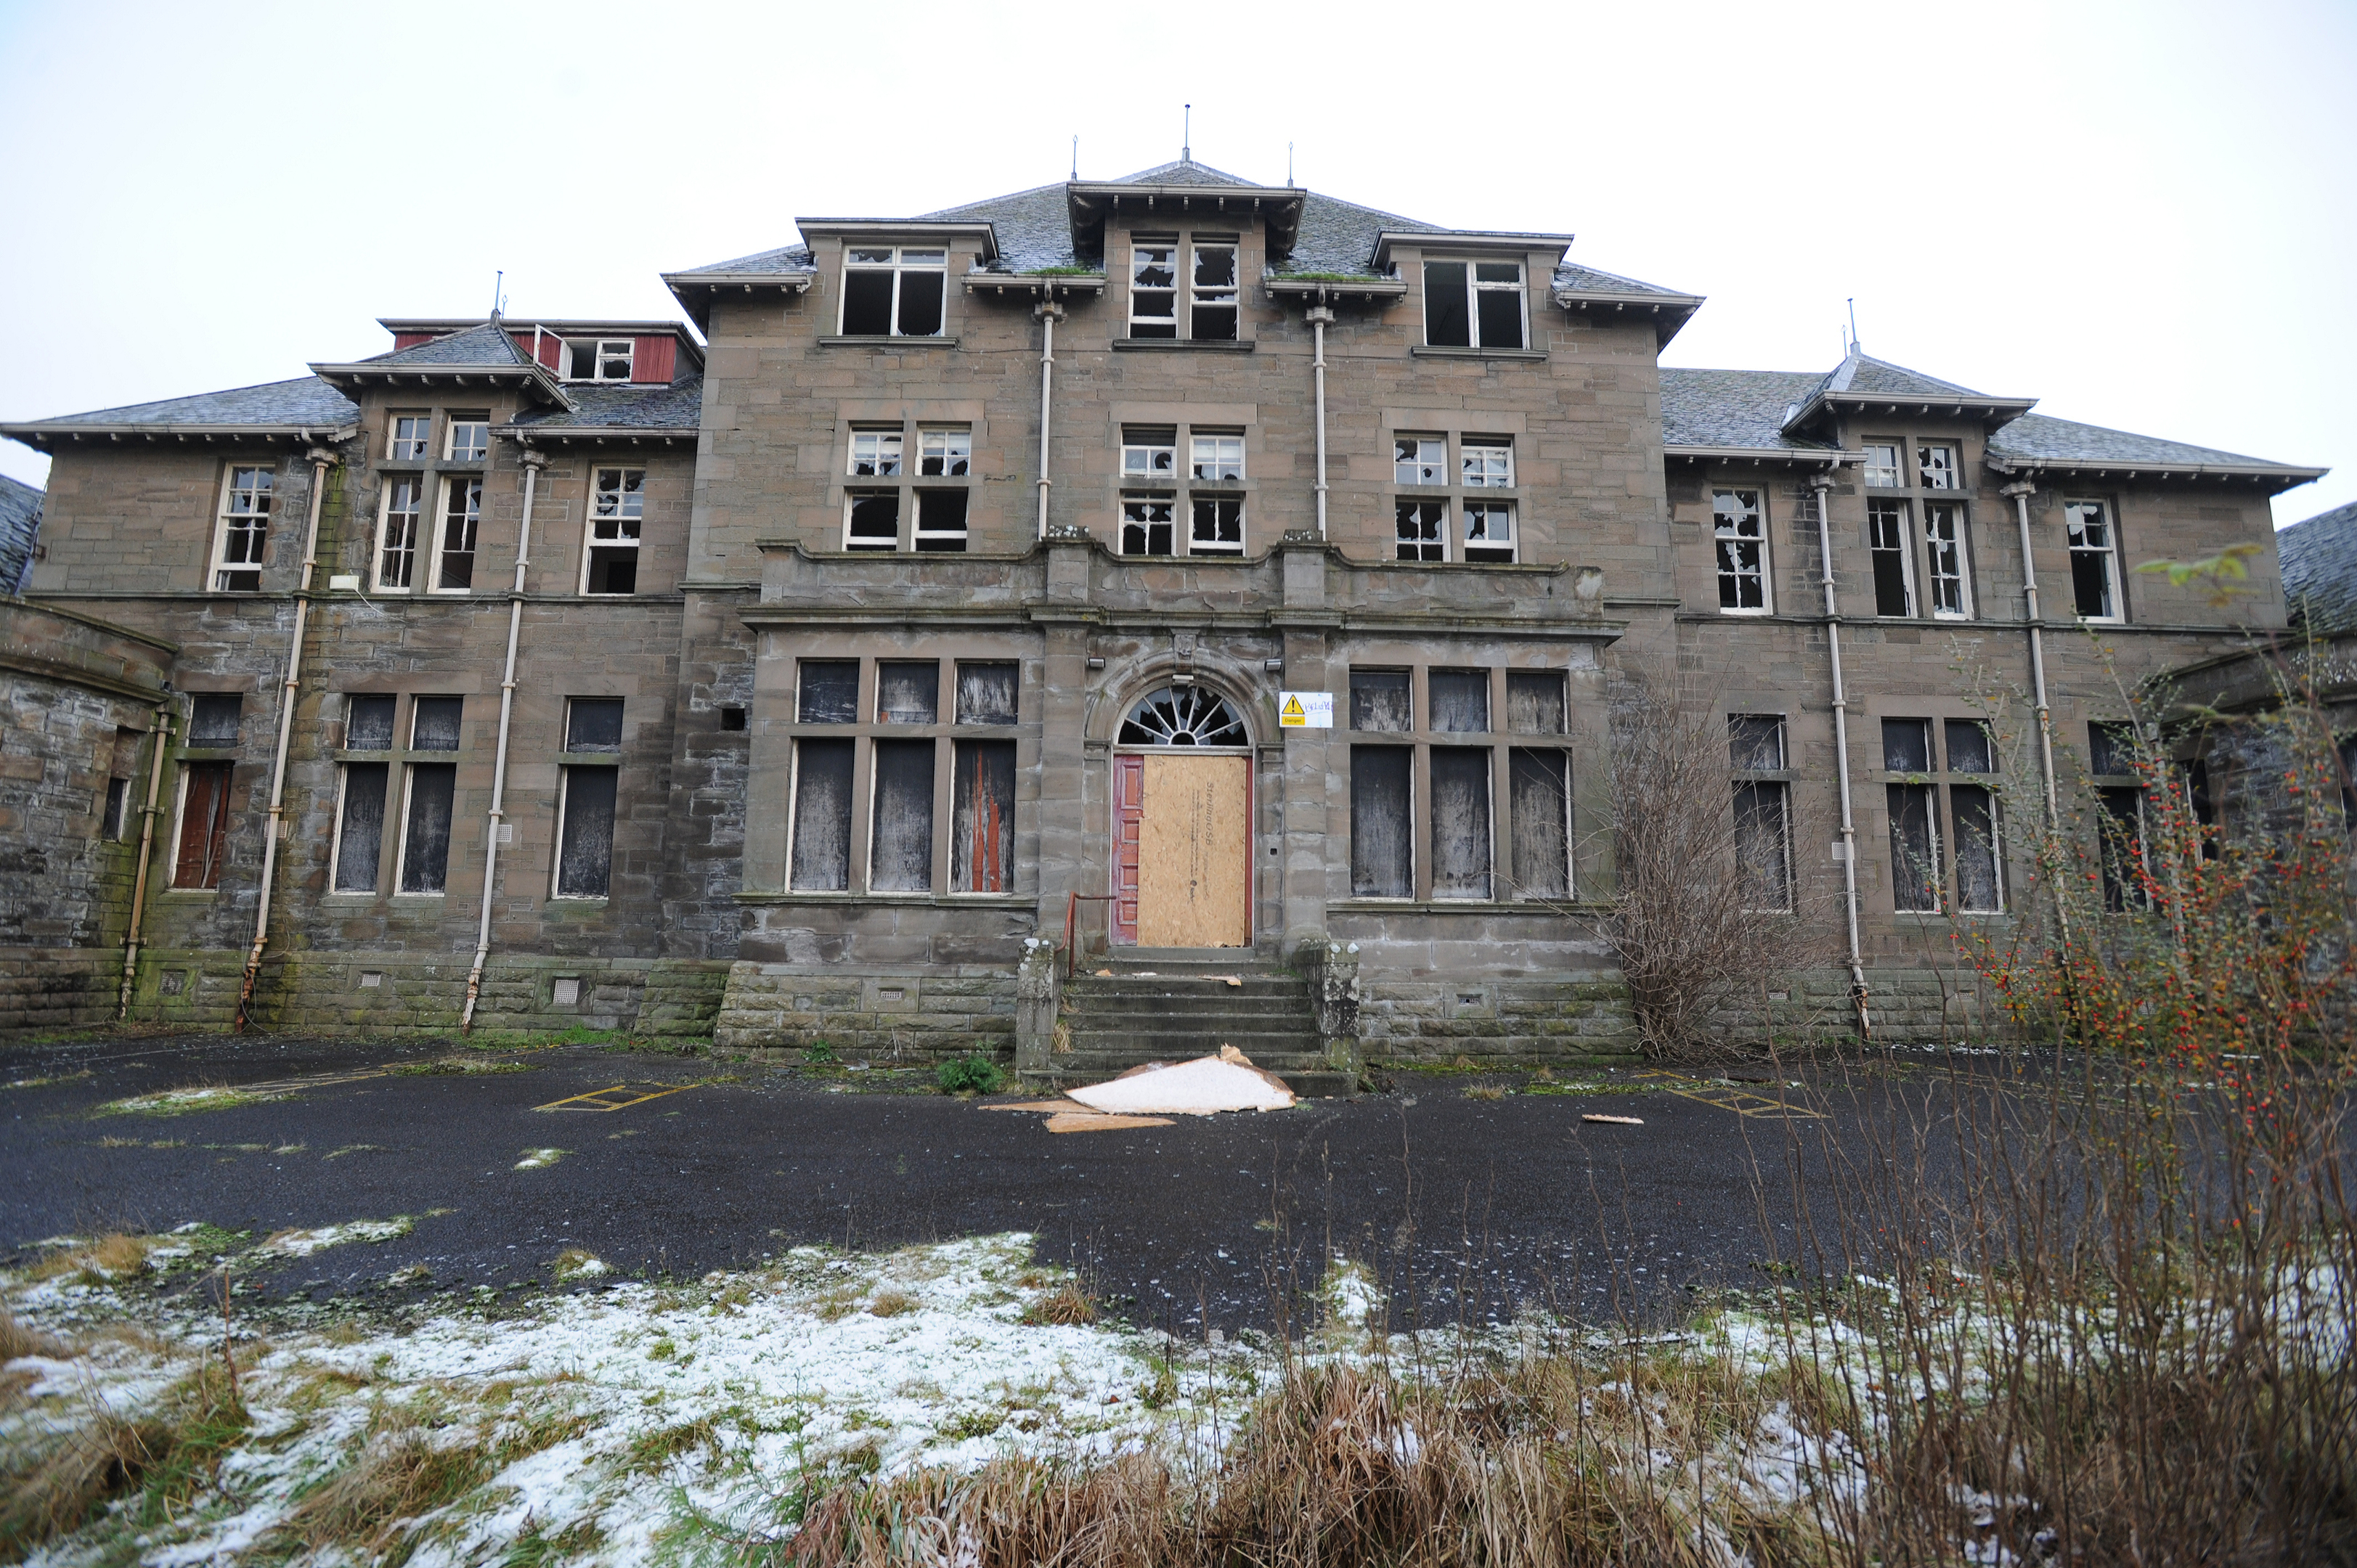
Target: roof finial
(1186,133)
(1288,164)
(1076,157)
(1853,324)
(499,292)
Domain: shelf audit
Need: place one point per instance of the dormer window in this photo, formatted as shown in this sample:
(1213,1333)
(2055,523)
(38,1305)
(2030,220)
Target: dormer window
(1213,317)
(600,360)
(1210,287)
(893,291)
(1473,304)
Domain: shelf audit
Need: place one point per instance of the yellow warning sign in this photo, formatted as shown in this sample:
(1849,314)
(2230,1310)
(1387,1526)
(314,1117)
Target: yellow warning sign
(1293,713)
(1305,710)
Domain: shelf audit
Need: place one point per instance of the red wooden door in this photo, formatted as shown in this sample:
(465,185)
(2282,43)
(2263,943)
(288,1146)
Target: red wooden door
(1128,813)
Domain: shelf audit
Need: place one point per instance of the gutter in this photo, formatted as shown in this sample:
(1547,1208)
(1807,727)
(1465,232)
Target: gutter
(533,463)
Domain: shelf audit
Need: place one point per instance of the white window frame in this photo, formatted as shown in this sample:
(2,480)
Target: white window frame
(1950,478)
(1138,465)
(226,514)
(1441,529)
(918,534)
(627,519)
(1215,500)
(450,484)
(451,452)
(1437,467)
(898,265)
(1217,297)
(1175,251)
(420,527)
(951,445)
(415,447)
(336,839)
(1904,549)
(1169,498)
(1720,537)
(886,452)
(1475,286)
(1216,450)
(1884,476)
(2109,549)
(1957,581)
(1495,458)
(600,353)
(1489,511)
(900,524)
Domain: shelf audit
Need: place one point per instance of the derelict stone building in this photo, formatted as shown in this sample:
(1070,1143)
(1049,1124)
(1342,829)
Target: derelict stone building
(967,581)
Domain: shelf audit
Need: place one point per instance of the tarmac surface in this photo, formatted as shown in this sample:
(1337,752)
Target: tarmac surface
(1467,1206)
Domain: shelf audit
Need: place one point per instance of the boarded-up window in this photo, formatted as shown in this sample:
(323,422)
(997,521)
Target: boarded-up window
(213,720)
(821,862)
(1382,848)
(1907,745)
(367,724)
(908,693)
(1763,846)
(204,824)
(900,843)
(584,837)
(1379,701)
(360,830)
(1755,742)
(982,817)
(830,692)
(434,724)
(1914,846)
(1534,702)
(593,723)
(1461,822)
(986,693)
(425,827)
(1542,823)
(1460,701)
(1980,887)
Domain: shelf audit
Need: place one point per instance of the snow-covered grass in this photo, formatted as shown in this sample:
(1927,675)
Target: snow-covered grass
(539,1159)
(182,1102)
(303,1243)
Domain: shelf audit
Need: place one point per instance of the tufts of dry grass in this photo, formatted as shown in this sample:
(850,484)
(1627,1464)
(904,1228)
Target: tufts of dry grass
(112,1257)
(16,1339)
(51,1488)
(1067,1306)
(892,1303)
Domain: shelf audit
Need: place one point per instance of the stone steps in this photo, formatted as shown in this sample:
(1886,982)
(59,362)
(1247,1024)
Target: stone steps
(1171,1005)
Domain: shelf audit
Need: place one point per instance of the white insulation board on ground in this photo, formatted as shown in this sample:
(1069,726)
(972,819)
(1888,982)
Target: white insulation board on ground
(1198,1088)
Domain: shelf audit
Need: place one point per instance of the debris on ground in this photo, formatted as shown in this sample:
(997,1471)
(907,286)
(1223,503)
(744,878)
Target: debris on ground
(1100,1121)
(1202,1086)
(1615,1121)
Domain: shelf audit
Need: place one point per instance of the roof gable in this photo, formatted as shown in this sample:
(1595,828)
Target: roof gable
(2319,571)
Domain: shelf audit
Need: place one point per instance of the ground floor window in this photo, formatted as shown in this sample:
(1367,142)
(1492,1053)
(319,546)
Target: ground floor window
(204,824)
(982,793)
(359,826)
(585,832)
(900,838)
(1461,822)
(820,859)
(430,792)
(1382,845)
(1763,844)
(1541,813)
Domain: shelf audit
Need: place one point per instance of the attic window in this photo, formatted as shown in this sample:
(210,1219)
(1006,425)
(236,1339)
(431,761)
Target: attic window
(1473,304)
(893,291)
(599,360)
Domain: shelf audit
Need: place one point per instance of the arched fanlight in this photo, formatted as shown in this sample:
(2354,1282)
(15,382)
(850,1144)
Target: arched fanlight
(1183,715)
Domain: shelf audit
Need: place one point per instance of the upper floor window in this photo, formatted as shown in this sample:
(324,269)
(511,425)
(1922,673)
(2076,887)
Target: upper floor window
(1936,462)
(945,453)
(1218,456)
(935,514)
(1473,304)
(1212,309)
(1882,465)
(1943,543)
(462,520)
(2094,560)
(398,532)
(413,437)
(876,454)
(617,507)
(1487,461)
(1891,553)
(600,360)
(1488,530)
(893,291)
(1740,527)
(1149,452)
(1153,288)
(243,531)
(470,438)
(1420,460)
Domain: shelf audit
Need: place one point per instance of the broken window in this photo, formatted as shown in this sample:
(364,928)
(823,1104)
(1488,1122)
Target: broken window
(1489,531)
(1218,456)
(1980,878)
(2112,749)
(1487,462)
(1149,452)
(945,453)
(616,506)
(115,818)
(1914,847)
(1460,701)
(900,840)
(1153,288)
(204,823)
(600,360)
(462,515)
(404,522)
(1474,305)
(907,691)
(585,832)
(359,826)
(1763,844)
(1755,743)
(1461,822)
(1383,846)
(1740,528)
(1943,540)
(433,722)
(2094,564)
(413,437)
(368,723)
(941,521)
(213,719)
(1936,462)
(893,291)
(871,519)
(1379,701)
(1145,523)
(1419,460)
(1882,465)
(1907,745)
(820,861)
(1423,531)
(1217,526)
(244,531)
(1535,702)
(829,691)
(876,454)
(1541,808)
(986,693)
(1183,715)
(2120,821)
(1970,747)
(593,723)
(470,438)
(431,791)
(1886,543)
(982,816)
(1213,313)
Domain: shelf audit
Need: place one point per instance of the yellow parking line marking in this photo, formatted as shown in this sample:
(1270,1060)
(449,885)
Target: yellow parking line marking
(603,1098)
(1724,1097)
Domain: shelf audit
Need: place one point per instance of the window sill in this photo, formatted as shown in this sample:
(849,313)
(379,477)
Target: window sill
(900,901)
(1451,352)
(1461,907)
(893,341)
(191,893)
(1203,345)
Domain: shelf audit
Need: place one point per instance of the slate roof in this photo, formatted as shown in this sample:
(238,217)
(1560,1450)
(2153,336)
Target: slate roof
(1182,171)
(1735,408)
(1034,227)
(2319,571)
(2042,437)
(1573,278)
(306,401)
(486,345)
(674,407)
(20,522)
(786,260)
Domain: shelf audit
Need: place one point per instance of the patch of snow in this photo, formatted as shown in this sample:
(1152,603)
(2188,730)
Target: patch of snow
(303,1243)
(539,1159)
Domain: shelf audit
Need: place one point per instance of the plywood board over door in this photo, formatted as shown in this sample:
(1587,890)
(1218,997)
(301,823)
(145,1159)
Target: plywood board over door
(1194,852)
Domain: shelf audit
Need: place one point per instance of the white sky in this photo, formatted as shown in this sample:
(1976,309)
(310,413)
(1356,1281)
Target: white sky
(2141,213)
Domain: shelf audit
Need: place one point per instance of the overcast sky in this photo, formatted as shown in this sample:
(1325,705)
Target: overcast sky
(2144,214)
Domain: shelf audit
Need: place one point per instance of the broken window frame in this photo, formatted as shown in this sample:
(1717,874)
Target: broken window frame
(466,438)
(1949,571)
(1730,544)
(617,501)
(944,451)
(241,531)
(1486,462)
(409,435)
(1938,466)
(1150,455)
(582,868)
(1425,465)
(2099,558)
(1140,525)
(876,452)
(1884,467)
(856,501)
(930,528)
(1214,313)
(1488,533)
(1163,323)
(605,356)
(458,534)
(901,262)
(218,780)
(401,526)
(1221,451)
(1438,287)
(1890,557)
(1420,530)
(1215,525)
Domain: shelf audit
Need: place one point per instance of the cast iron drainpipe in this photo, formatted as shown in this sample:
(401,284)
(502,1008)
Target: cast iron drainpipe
(1822,485)
(1319,316)
(160,731)
(274,825)
(1049,312)
(533,463)
(2020,490)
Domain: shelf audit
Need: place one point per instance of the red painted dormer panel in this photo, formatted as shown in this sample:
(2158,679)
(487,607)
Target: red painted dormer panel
(552,349)
(656,359)
(410,340)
